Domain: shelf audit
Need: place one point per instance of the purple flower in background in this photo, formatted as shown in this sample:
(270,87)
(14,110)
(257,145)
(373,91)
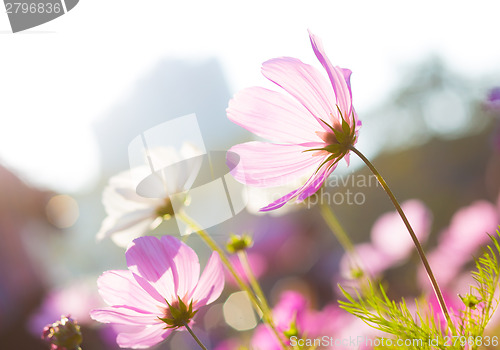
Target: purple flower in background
(290,316)
(467,232)
(493,99)
(310,132)
(160,292)
(77,299)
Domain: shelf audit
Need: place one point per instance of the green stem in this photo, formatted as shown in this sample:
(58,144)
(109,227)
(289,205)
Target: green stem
(420,251)
(243,286)
(242,255)
(338,231)
(336,228)
(194,336)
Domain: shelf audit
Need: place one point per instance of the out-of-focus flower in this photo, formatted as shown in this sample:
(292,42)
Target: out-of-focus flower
(493,100)
(76,299)
(160,292)
(290,317)
(467,232)
(311,133)
(63,334)
(257,263)
(390,243)
(131,215)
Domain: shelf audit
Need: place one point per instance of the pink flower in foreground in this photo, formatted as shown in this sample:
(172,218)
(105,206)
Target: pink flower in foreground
(161,290)
(311,132)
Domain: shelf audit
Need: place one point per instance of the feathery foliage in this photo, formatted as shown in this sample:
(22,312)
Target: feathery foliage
(420,329)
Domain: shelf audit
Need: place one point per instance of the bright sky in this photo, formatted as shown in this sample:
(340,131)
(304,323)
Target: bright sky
(58,78)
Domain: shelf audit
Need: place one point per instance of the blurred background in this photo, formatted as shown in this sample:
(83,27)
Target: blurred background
(74,92)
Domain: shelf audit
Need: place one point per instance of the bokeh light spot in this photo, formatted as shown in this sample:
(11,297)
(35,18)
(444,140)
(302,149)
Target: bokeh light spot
(62,211)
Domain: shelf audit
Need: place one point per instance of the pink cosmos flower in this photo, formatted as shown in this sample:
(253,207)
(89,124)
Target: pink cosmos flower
(159,293)
(76,299)
(468,231)
(310,132)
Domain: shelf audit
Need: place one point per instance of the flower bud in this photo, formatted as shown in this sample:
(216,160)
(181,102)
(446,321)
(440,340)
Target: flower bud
(237,243)
(63,334)
(470,300)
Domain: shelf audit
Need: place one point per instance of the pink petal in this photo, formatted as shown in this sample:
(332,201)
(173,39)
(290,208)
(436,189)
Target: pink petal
(303,82)
(445,264)
(258,264)
(120,288)
(211,282)
(145,337)
(371,259)
(264,339)
(390,235)
(272,115)
(147,258)
(470,225)
(266,164)
(340,78)
(315,182)
(125,315)
(281,201)
(292,305)
(312,185)
(187,265)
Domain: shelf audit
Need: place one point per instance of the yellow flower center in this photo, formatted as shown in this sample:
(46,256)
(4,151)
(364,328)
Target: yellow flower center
(166,211)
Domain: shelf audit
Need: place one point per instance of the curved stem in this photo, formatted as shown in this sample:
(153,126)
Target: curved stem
(194,336)
(420,251)
(243,286)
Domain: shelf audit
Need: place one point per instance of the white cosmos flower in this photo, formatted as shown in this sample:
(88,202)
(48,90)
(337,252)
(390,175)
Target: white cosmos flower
(131,215)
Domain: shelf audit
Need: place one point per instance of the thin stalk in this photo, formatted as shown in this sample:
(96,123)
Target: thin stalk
(338,231)
(430,274)
(336,228)
(242,255)
(243,286)
(194,336)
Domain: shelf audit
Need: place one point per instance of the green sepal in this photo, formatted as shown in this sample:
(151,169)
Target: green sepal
(334,149)
(180,314)
(292,331)
(340,135)
(345,127)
